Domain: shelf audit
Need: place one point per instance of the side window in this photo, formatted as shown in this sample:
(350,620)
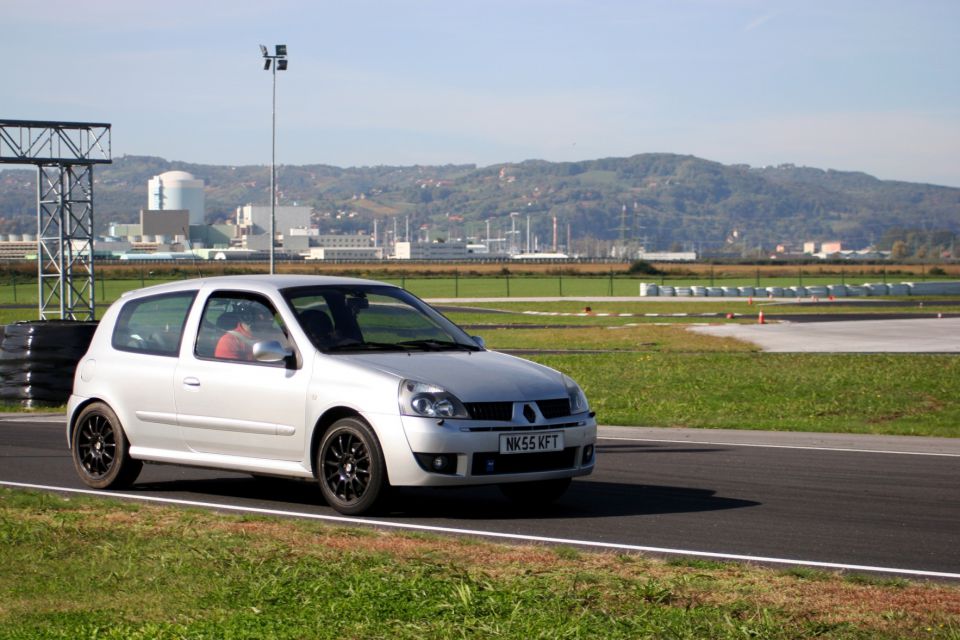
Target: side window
(153,325)
(316,319)
(233,322)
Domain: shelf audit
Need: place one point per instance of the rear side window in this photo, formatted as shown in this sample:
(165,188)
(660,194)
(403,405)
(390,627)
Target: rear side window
(153,325)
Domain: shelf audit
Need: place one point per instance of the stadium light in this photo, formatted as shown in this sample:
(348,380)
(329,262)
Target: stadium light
(279,63)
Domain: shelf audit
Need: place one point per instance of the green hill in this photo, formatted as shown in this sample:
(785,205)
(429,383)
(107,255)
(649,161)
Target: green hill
(663,200)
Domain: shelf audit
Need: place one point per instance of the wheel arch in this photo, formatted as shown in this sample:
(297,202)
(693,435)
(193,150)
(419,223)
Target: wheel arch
(329,417)
(77,410)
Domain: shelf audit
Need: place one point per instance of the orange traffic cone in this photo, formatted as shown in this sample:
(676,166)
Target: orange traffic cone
(760,319)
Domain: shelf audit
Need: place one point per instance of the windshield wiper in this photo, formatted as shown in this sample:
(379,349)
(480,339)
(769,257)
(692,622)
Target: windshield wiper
(367,346)
(439,345)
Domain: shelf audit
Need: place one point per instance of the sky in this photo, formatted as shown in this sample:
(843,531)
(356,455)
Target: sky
(853,85)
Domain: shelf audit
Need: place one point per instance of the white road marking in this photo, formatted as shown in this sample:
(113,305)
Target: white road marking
(492,534)
(784,446)
(26,417)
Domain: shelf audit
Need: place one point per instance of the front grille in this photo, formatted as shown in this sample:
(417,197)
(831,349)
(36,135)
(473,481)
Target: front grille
(554,408)
(523,427)
(492,463)
(503,411)
(500,411)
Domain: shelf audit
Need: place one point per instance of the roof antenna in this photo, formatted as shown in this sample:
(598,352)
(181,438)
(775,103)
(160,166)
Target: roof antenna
(193,256)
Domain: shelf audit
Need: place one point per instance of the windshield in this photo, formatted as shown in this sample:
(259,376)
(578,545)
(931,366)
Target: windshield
(343,318)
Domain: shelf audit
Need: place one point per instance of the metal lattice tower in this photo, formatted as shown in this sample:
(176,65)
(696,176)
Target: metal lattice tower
(64,154)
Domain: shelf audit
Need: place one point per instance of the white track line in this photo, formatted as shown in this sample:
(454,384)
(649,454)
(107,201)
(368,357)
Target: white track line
(783,446)
(491,534)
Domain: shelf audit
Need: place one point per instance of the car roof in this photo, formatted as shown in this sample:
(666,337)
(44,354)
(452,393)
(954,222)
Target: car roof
(255,282)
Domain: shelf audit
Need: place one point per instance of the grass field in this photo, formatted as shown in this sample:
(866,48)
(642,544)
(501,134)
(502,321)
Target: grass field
(86,568)
(18,284)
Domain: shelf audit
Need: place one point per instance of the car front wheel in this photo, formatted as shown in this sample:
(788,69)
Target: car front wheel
(100,450)
(350,467)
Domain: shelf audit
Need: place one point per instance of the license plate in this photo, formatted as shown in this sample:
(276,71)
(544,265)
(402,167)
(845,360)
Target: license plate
(531,442)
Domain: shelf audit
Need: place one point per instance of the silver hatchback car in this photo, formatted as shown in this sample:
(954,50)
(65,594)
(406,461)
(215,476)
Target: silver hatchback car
(354,383)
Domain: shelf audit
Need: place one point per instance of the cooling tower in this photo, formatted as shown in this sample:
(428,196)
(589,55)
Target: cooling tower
(177,190)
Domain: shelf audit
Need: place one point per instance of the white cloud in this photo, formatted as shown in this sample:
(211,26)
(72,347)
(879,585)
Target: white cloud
(757,23)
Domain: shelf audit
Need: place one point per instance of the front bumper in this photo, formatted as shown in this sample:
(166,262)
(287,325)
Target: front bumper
(472,448)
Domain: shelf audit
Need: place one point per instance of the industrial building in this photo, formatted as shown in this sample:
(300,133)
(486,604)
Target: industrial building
(431,251)
(253,222)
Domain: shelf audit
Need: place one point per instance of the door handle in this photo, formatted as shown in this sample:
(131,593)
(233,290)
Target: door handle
(191,382)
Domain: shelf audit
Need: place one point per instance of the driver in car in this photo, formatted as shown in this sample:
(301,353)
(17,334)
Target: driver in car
(253,320)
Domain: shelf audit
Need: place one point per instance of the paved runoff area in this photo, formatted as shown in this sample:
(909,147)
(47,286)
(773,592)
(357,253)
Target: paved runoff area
(922,335)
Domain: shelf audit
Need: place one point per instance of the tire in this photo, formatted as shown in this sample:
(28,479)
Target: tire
(100,452)
(536,493)
(38,359)
(350,467)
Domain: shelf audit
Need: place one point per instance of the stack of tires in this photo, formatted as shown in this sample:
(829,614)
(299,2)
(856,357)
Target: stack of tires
(38,359)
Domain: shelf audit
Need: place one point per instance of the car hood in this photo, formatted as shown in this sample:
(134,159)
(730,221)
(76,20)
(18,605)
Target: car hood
(479,376)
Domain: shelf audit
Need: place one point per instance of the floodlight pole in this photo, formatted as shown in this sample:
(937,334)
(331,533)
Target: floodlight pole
(273,171)
(278,60)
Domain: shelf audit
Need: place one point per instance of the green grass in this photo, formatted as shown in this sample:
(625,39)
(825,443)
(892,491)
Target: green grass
(108,289)
(571,312)
(86,568)
(840,393)
(665,376)
(643,337)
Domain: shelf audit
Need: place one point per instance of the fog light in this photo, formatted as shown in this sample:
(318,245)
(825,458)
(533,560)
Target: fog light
(445,463)
(587,453)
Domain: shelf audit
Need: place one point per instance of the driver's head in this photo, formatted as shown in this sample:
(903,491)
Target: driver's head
(254,315)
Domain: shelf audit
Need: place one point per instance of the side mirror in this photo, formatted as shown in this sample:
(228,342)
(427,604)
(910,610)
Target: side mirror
(270,351)
(480,341)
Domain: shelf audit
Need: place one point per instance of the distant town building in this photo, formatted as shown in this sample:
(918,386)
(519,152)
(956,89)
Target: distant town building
(667,256)
(335,241)
(123,230)
(831,247)
(540,256)
(168,223)
(431,251)
(344,253)
(823,249)
(14,247)
(254,226)
(216,236)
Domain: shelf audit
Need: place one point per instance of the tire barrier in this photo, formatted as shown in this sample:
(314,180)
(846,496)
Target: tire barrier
(38,360)
(941,288)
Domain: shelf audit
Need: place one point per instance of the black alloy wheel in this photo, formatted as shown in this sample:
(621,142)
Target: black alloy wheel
(350,467)
(100,450)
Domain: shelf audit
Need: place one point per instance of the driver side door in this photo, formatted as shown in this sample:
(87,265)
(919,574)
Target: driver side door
(240,407)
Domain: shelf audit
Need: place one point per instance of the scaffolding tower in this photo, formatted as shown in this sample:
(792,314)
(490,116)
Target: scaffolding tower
(64,154)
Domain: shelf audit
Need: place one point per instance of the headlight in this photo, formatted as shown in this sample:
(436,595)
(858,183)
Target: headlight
(428,400)
(578,401)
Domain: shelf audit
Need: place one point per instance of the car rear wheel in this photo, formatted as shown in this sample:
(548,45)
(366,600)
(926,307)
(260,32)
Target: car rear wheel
(535,493)
(100,450)
(350,467)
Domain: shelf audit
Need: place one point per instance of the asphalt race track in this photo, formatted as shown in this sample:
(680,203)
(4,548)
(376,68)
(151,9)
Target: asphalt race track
(916,335)
(859,503)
